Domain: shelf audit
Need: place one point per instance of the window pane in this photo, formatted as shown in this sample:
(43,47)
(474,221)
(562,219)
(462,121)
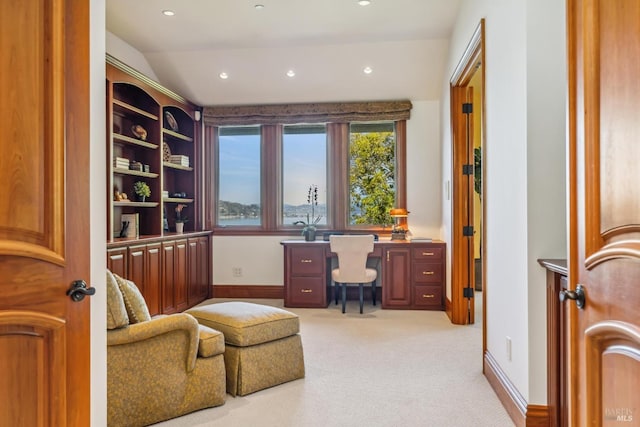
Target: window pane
(304,166)
(372,183)
(239,176)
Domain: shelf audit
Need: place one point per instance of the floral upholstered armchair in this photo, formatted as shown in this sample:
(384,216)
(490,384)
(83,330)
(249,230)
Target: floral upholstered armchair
(158,368)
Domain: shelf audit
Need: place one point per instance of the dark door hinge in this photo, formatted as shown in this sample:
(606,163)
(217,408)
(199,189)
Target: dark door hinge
(467,108)
(467,230)
(467,292)
(467,169)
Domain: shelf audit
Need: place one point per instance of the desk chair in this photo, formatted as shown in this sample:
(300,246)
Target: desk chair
(352,251)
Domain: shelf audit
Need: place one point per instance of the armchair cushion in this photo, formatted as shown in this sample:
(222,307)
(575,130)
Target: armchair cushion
(211,342)
(133,301)
(116,312)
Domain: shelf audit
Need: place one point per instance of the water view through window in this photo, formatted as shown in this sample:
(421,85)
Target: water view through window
(304,167)
(239,176)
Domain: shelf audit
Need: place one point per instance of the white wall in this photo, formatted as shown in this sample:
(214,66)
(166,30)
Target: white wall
(525,179)
(98,217)
(129,55)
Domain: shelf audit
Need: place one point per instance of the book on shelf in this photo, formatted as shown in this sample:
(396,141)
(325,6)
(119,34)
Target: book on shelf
(130,226)
(179,159)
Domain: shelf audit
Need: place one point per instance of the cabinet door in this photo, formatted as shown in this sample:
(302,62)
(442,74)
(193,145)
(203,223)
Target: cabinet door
(152,280)
(144,270)
(396,288)
(198,269)
(136,271)
(168,277)
(117,261)
(180,276)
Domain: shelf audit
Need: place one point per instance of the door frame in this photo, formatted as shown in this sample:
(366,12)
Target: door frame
(473,56)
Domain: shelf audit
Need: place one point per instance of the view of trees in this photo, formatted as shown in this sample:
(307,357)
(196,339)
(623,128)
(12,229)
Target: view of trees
(371,177)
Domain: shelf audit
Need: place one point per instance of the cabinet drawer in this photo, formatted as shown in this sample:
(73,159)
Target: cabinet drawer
(425,272)
(307,260)
(427,296)
(428,253)
(307,292)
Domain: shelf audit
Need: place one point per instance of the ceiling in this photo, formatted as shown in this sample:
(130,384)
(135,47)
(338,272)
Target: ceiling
(327,43)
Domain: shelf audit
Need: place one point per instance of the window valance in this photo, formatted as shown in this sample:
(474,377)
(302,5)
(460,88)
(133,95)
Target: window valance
(328,112)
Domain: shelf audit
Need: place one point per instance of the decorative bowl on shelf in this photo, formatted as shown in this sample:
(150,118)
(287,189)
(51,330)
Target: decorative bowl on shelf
(139,132)
(171,121)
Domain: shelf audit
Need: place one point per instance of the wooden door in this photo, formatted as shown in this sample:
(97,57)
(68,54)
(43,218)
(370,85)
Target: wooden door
(462,245)
(44,213)
(604,141)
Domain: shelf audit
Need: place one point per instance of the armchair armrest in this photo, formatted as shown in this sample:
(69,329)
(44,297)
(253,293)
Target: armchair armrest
(179,322)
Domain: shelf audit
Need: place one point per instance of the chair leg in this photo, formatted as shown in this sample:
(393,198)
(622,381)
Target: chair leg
(336,291)
(344,296)
(361,298)
(373,291)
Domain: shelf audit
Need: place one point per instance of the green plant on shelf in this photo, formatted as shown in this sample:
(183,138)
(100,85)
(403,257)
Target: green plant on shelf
(142,190)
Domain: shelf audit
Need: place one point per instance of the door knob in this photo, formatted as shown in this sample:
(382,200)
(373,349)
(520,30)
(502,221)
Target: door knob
(577,296)
(79,289)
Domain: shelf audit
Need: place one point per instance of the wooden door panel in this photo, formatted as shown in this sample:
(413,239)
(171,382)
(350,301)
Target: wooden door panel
(153,279)
(44,211)
(168,277)
(117,261)
(396,289)
(604,336)
(181,293)
(32,104)
(32,343)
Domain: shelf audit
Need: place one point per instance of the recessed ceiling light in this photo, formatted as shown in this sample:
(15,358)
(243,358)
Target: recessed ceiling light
(223,75)
(291,73)
(168,12)
(259,6)
(367,70)
(364,2)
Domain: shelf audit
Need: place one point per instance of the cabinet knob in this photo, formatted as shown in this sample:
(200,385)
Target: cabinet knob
(307,291)
(306,261)
(428,296)
(427,253)
(428,273)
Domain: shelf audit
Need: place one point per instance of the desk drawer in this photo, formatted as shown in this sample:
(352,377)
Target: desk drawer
(427,296)
(428,253)
(307,260)
(307,292)
(426,272)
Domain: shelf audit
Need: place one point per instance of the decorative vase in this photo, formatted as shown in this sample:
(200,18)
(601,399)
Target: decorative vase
(179,227)
(310,235)
(141,198)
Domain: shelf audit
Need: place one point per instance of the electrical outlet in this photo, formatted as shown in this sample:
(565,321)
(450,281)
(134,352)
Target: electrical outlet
(508,349)
(237,271)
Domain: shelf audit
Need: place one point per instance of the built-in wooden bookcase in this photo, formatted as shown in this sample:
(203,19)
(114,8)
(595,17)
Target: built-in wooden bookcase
(156,129)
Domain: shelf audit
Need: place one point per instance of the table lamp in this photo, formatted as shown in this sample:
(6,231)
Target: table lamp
(399,230)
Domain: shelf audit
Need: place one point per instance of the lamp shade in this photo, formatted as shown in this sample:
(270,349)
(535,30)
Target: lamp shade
(399,213)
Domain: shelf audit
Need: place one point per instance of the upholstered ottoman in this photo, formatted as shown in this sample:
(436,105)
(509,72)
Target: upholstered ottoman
(262,344)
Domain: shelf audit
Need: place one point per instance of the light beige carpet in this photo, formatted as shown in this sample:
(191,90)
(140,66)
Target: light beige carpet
(382,368)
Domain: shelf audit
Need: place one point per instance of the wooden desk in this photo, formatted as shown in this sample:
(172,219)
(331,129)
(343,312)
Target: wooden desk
(412,275)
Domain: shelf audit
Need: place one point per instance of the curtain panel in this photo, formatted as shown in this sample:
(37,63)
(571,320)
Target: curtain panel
(329,112)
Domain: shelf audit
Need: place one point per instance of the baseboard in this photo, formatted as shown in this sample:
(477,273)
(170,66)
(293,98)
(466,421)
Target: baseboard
(522,414)
(247,291)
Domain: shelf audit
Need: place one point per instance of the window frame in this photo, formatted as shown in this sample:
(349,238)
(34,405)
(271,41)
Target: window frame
(271,175)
